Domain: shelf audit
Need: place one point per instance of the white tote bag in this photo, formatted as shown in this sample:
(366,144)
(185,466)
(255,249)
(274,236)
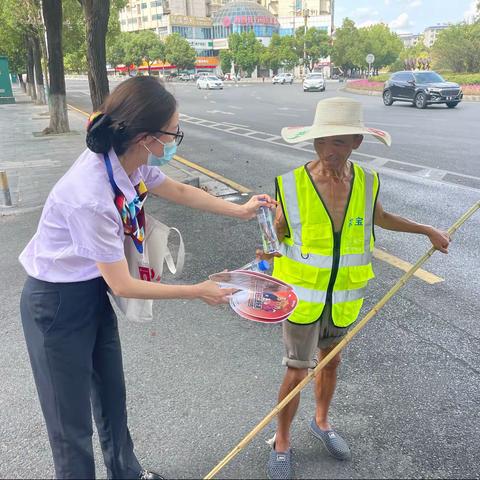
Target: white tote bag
(148,266)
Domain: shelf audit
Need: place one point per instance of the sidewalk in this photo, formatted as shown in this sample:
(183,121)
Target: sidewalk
(34,162)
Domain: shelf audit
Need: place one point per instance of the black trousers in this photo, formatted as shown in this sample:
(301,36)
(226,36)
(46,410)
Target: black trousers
(74,347)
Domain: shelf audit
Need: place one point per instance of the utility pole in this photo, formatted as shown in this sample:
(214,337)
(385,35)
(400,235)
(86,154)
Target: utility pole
(294,12)
(306,14)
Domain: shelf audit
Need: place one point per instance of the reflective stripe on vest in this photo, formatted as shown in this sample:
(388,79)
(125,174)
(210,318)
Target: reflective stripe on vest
(299,263)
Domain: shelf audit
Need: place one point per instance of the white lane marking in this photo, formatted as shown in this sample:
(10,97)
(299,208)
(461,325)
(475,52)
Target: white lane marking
(45,162)
(371,160)
(213,101)
(236,124)
(235,107)
(220,111)
(287,114)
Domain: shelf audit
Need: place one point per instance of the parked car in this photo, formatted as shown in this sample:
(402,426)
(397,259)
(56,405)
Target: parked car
(185,77)
(209,82)
(283,78)
(314,82)
(421,88)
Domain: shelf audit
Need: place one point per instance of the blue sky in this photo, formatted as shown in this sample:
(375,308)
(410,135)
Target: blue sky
(404,16)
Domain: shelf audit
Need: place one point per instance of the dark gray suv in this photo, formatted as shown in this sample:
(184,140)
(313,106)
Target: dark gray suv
(421,88)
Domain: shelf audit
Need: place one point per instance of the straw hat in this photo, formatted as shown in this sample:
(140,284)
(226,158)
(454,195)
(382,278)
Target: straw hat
(335,116)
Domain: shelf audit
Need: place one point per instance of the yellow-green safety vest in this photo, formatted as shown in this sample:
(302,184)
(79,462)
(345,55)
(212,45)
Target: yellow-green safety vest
(321,266)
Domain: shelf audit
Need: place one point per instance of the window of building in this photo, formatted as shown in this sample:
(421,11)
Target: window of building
(157,16)
(144,5)
(157,3)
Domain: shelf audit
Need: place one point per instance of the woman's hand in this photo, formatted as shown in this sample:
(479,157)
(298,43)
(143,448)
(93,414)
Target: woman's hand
(248,210)
(212,294)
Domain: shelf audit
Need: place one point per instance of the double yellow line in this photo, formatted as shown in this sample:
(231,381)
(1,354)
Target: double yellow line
(378,254)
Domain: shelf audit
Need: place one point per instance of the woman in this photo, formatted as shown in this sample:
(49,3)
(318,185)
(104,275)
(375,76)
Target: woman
(77,252)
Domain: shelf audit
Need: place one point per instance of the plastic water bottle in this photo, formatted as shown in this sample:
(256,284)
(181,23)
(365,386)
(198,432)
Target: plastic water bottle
(267,230)
(256,266)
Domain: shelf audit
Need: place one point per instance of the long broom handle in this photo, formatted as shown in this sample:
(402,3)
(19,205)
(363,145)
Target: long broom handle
(340,346)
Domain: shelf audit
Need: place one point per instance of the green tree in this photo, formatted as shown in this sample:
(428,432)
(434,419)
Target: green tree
(246,51)
(74,42)
(226,58)
(281,52)
(12,40)
(345,46)
(89,25)
(457,48)
(179,52)
(117,50)
(21,33)
(145,46)
(53,17)
(382,42)
(312,46)
(413,57)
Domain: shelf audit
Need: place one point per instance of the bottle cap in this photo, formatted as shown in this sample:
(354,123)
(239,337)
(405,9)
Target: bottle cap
(263,265)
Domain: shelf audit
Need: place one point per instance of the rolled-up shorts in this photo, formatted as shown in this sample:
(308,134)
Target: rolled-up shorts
(302,341)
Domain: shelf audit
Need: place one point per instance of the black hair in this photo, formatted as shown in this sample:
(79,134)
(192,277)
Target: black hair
(138,105)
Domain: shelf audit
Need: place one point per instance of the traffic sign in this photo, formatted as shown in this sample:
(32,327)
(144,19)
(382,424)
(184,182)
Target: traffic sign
(370,58)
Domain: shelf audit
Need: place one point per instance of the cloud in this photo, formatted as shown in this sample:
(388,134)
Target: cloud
(401,24)
(364,12)
(387,2)
(414,3)
(472,12)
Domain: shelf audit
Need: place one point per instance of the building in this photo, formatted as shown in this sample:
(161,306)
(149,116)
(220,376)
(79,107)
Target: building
(206,24)
(293,14)
(409,39)
(430,34)
(243,16)
(188,18)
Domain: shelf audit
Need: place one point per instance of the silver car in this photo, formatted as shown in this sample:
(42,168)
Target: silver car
(209,82)
(314,82)
(282,79)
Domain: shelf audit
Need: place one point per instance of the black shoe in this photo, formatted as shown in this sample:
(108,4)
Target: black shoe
(149,475)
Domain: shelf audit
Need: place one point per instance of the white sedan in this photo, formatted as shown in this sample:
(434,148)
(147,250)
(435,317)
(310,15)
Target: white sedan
(209,82)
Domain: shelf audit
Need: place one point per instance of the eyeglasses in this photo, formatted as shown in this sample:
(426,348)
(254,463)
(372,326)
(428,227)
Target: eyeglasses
(178,135)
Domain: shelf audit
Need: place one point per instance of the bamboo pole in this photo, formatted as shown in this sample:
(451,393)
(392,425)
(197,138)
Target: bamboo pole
(340,346)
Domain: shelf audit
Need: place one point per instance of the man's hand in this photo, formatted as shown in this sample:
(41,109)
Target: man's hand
(440,239)
(261,255)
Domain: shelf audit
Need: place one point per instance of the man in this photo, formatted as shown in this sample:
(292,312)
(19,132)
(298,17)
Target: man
(327,209)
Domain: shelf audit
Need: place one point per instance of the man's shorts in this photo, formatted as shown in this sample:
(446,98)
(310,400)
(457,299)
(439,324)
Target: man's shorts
(302,341)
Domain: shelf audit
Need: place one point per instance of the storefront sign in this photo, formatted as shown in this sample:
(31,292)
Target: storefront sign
(206,61)
(249,20)
(184,21)
(200,44)
(220,43)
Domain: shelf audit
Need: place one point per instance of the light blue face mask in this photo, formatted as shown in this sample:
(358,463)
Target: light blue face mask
(169,150)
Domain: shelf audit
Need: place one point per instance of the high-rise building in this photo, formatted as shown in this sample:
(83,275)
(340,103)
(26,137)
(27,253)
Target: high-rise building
(206,24)
(409,39)
(293,14)
(430,34)
(188,18)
